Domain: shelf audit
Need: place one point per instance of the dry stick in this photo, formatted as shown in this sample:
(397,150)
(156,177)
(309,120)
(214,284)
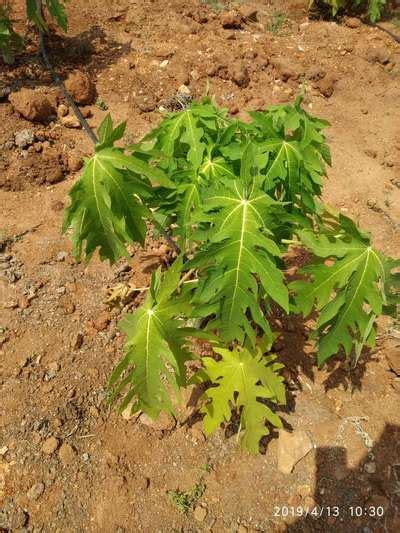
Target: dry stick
(79,115)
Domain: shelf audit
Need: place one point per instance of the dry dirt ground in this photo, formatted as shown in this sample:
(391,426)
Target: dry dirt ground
(69,463)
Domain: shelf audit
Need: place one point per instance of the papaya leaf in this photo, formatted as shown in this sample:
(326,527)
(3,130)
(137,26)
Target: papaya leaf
(241,379)
(239,249)
(153,368)
(349,294)
(106,211)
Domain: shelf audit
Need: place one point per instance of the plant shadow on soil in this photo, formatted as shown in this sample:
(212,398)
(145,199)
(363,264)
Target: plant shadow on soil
(358,493)
(91,49)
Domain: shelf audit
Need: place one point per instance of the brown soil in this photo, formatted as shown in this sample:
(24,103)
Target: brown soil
(59,340)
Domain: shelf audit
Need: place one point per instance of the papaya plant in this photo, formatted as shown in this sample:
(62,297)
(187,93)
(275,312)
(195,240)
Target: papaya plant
(374,8)
(232,198)
(11,41)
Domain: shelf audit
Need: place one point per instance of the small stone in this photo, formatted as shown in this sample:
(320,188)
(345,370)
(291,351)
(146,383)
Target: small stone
(352,22)
(86,457)
(62,110)
(164,63)
(102,321)
(292,447)
(141,482)
(184,89)
(327,85)
(372,203)
(200,513)
(35,491)
(50,445)
(242,529)
(77,341)
(61,256)
(284,70)
(370,468)
(24,138)
(75,162)
(81,88)
(240,75)
(3,450)
(70,122)
(230,19)
(66,454)
(393,359)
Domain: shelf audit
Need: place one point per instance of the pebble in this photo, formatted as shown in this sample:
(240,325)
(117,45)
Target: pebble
(86,457)
(70,122)
(24,138)
(292,447)
(66,454)
(370,468)
(200,513)
(62,111)
(35,491)
(61,256)
(102,321)
(184,89)
(50,445)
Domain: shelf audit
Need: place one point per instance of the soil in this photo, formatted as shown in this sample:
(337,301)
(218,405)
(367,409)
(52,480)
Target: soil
(67,461)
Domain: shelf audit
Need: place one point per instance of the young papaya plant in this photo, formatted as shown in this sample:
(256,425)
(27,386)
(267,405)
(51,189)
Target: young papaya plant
(232,198)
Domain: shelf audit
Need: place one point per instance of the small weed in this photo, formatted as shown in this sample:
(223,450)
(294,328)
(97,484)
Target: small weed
(277,22)
(216,6)
(101,104)
(185,501)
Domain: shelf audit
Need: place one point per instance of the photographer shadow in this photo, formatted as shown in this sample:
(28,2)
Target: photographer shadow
(365,498)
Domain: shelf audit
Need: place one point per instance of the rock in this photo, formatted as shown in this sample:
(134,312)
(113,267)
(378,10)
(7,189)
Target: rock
(61,256)
(50,445)
(35,491)
(54,171)
(184,89)
(200,513)
(242,529)
(239,74)
(163,423)
(66,454)
(380,54)
(393,359)
(33,105)
(327,85)
(74,162)
(284,70)
(248,12)
(141,482)
(24,138)
(292,447)
(102,321)
(230,19)
(146,103)
(256,104)
(62,110)
(370,467)
(70,121)
(3,450)
(77,341)
(81,88)
(352,22)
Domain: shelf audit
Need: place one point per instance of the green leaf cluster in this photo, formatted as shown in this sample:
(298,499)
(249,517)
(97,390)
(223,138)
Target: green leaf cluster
(374,8)
(233,196)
